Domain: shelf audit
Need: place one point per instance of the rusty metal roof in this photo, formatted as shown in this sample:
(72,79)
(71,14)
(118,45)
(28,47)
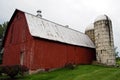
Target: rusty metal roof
(42,28)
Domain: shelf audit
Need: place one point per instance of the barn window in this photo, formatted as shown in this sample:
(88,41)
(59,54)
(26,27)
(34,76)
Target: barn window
(21,57)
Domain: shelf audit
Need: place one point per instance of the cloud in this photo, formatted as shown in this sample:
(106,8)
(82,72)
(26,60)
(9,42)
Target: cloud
(75,13)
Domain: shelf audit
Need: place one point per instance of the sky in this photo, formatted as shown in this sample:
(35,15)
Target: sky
(78,14)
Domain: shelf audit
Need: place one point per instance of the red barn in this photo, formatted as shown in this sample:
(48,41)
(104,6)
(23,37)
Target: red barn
(42,44)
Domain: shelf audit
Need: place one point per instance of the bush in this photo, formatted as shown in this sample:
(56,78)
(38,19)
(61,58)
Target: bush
(47,69)
(1,70)
(1,58)
(13,70)
(70,66)
(23,69)
(0,61)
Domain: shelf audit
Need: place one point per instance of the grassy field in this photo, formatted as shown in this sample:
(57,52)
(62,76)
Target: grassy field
(82,72)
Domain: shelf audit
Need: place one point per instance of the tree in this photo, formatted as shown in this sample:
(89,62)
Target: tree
(1,31)
(3,28)
(116,53)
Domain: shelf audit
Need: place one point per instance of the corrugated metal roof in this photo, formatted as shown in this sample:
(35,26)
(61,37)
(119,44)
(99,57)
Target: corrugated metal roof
(43,28)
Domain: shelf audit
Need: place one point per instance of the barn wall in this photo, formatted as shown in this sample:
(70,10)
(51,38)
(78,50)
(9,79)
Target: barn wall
(50,54)
(17,41)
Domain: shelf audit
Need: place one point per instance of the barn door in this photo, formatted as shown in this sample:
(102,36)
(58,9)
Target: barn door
(21,58)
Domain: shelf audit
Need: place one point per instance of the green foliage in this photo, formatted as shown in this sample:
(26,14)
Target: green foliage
(13,70)
(3,28)
(1,70)
(82,72)
(118,62)
(116,52)
(117,57)
(70,66)
(1,31)
(1,58)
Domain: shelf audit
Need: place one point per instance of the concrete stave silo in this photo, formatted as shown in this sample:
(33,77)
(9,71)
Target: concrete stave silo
(104,40)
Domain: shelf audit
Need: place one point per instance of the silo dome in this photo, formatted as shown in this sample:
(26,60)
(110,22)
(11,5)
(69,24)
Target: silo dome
(90,32)
(89,27)
(102,17)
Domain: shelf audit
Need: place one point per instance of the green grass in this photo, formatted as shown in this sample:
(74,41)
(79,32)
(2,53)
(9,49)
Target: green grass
(118,62)
(82,72)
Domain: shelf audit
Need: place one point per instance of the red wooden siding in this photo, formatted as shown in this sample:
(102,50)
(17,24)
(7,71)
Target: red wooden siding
(50,54)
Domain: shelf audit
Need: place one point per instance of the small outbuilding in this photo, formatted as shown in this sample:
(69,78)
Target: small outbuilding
(41,44)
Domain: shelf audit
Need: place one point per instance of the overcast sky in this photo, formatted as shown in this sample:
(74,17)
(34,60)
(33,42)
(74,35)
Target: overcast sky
(78,14)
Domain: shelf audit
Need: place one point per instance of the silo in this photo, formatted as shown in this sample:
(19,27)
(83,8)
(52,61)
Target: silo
(90,32)
(104,40)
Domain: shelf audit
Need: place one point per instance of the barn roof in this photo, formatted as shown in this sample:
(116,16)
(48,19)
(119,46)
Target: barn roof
(42,28)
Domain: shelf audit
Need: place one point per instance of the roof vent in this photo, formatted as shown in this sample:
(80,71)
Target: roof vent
(39,13)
